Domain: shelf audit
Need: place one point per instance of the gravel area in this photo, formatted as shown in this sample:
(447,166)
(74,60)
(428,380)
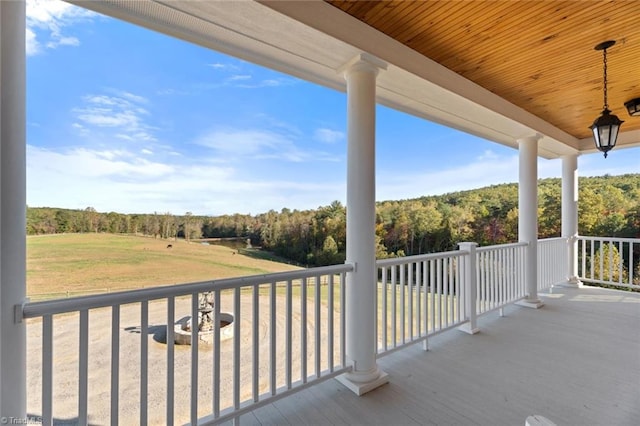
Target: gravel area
(65,360)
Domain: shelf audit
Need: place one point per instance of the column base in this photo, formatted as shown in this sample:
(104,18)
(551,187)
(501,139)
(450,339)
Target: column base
(360,388)
(467,328)
(538,420)
(571,283)
(531,303)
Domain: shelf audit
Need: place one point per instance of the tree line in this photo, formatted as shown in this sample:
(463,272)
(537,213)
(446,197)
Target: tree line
(608,206)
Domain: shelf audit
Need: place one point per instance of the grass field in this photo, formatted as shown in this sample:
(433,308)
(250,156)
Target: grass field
(74,264)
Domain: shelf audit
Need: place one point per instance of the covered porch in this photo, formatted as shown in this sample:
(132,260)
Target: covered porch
(289,339)
(576,364)
(564,361)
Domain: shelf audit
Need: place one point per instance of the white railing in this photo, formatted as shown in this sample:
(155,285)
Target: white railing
(287,332)
(553,262)
(288,329)
(500,276)
(608,260)
(420,296)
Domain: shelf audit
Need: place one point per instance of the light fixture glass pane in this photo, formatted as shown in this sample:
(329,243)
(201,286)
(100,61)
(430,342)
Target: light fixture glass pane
(605,132)
(614,135)
(596,136)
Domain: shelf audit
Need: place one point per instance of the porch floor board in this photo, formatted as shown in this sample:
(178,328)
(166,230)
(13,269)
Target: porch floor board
(575,361)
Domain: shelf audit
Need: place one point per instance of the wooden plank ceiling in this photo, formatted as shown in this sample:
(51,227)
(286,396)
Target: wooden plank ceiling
(538,55)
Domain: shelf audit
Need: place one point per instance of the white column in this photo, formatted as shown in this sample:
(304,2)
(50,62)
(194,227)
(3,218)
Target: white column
(528,215)
(470,288)
(570,216)
(12,209)
(361,288)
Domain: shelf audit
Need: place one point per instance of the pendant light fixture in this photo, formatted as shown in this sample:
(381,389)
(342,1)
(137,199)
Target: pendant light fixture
(633,107)
(605,128)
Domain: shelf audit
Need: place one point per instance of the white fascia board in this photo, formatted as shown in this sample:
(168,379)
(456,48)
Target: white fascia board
(630,139)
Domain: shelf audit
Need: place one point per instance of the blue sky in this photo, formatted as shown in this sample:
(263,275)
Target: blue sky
(123,119)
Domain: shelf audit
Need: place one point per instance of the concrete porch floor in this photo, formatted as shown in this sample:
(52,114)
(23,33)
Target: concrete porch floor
(576,361)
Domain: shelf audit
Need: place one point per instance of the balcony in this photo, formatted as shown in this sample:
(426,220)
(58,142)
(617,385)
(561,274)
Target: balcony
(574,362)
(112,358)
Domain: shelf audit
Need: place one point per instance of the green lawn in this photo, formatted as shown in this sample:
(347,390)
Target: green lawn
(93,263)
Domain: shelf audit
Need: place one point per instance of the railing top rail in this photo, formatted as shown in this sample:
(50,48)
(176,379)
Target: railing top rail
(52,307)
(420,257)
(552,239)
(624,240)
(502,246)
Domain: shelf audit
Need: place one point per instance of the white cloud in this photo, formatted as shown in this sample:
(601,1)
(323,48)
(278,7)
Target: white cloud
(239,78)
(245,82)
(171,92)
(104,117)
(488,155)
(276,82)
(63,41)
(224,67)
(328,135)
(487,169)
(32,46)
(132,97)
(260,144)
(46,22)
(48,10)
(88,163)
(122,112)
(490,168)
(242,142)
(619,161)
(265,83)
(120,181)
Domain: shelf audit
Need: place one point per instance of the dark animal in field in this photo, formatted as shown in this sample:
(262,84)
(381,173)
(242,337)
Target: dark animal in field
(169,246)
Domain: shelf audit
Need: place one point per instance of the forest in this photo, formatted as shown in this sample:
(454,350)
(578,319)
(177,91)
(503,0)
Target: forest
(608,206)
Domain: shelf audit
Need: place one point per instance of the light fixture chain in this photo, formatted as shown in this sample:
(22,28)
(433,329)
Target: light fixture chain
(606,104)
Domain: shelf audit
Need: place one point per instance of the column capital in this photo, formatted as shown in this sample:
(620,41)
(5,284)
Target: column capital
(570,156)
(535,137)
(363,62)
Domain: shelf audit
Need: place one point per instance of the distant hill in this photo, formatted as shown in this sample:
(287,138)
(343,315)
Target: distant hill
(608,206)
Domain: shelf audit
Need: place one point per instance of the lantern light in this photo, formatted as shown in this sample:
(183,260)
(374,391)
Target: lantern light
(606,127)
